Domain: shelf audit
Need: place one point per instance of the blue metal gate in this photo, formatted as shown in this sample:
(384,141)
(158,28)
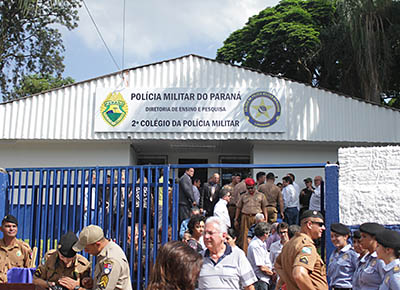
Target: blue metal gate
(135,205)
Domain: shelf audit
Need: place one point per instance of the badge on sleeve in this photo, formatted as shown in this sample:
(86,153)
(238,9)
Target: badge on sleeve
(103,282)
(19,253)
(304,260)
(306,250)
(107,267)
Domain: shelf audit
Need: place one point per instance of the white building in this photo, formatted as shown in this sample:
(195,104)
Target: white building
(189,110)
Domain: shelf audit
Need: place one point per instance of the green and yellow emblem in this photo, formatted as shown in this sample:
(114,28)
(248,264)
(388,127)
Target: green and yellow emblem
(114,109)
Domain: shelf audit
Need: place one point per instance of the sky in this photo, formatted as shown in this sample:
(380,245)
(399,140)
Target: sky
(155,30)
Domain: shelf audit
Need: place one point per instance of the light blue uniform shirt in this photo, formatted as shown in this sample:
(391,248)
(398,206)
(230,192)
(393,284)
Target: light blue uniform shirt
(369,275)
(392,277)
(342,265)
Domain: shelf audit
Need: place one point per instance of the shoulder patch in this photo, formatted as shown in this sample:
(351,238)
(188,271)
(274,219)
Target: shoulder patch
(107,267)
(38,272)
(103,282)
(306,250)
(304,260)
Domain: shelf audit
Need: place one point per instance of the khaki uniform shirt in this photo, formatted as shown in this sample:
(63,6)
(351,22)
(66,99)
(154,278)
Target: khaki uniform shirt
(300,251)
(17,255)
(252,204)
(272,193)
(112,269)
(53,268)
(239,189)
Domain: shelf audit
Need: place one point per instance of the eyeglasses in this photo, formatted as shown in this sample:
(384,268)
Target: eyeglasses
(320,224)
(283,232)
(250,187)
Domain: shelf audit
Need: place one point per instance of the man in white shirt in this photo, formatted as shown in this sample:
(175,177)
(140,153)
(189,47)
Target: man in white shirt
(296,186)
(315,200)
(290,200)
(258,256)
(221,207)
(277,246)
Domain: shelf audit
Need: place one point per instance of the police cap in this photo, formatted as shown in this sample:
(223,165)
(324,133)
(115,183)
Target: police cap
(371,228)
(308,179)
(249,181)
(65,244)
(311,214)
(340,229)
(389,239)
(10,219)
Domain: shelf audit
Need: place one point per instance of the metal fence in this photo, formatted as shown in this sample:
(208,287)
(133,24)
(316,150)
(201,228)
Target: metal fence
(137,206)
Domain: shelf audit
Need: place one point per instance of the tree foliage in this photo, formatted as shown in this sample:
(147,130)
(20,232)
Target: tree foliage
(36,83)
(30,40)
(349,46)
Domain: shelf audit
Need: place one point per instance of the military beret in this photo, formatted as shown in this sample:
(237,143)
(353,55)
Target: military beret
(10,219)
(356,235)
(312,214)
(308,179)
(249,181)
(65,244)
(371,228)
(388,239)
(340,229)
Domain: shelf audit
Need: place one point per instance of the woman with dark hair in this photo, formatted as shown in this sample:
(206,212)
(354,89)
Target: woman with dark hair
(388,250)
(370,272)
(343,261)
(177,267)
(196,229)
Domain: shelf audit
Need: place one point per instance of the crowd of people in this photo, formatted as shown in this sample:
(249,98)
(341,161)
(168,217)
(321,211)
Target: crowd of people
(248,234)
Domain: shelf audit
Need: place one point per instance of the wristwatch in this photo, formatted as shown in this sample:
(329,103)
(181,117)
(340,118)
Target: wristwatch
(77,287)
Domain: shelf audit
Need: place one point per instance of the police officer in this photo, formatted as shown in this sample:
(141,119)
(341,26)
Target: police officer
(63,266)
(369,274)
(13,252)
(389,251)
(299,264)
(343,261)
(112,268)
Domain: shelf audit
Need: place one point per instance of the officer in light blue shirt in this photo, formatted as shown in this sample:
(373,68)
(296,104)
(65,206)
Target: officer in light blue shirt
(343,261)
(371,275)
(389,251)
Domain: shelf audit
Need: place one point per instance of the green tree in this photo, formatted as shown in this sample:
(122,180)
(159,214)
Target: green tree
(282,40)
(34,84)
(30,41)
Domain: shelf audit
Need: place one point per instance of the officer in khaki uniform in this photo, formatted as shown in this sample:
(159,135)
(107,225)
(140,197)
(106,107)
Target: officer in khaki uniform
(63,266)
(299,264)
(112,268)
(274,197)
(249,204)
(13,252)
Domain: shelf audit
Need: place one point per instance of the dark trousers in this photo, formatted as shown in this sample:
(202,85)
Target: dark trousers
(184,212)
(291,215)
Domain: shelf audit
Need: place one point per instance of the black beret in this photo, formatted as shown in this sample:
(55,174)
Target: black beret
(10,219)
(308,179)
(389,239)
(371,228)
(356,235)
(340,229)
(65,245)
(311,213)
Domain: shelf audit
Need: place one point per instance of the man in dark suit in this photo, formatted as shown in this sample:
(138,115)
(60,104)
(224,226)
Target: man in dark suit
(210,194)
(186,198)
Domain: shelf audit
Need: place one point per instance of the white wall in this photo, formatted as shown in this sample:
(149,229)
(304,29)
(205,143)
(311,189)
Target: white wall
(63,154)
(369,185)
(294,153)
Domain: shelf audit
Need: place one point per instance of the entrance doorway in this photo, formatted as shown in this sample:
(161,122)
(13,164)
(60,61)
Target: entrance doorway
(200,173)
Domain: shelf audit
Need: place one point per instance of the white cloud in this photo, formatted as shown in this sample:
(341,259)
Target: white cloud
(155,27)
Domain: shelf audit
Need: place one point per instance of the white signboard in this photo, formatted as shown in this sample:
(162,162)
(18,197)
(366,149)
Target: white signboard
(189,110)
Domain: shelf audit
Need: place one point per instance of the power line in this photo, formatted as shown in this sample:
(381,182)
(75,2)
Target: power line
(123,36)
(98,31)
